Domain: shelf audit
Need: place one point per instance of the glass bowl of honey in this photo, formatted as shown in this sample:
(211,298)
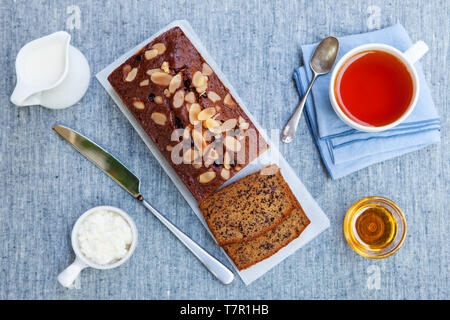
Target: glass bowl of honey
(375,227)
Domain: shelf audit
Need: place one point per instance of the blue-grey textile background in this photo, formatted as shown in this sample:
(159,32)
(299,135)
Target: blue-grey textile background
(45,184)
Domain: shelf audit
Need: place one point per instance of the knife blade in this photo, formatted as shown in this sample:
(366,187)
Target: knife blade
(127,180)
(102,159)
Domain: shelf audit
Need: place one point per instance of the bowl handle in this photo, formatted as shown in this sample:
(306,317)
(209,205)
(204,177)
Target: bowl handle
(416,51)
(68,276)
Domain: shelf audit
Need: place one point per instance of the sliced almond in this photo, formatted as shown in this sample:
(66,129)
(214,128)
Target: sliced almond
(269,170)
(169,148)
(207,113)
(225,173)
(187,134)
(206,70)
(198,80)
(139,105)
(199,141)
(144,83)
(228,125)
(161,78)
(175,83)
(214,97)
(150,54)
(131,75)
(226,160)
(190,155)
(201,90)
(243,125)
(190,97)
(160,47)
(228,100)
(194,110)
(151,71)
(232,144)
(212,124)
(159,99)
(237,168)
(126,70)
(178,98)
(207,176)
(165,67)
(197,165)
(166,93)
(159,118)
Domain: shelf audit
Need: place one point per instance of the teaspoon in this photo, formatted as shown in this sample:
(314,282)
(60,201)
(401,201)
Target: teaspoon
(321,63)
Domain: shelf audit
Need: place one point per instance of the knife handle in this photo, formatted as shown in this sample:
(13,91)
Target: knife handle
(212,264)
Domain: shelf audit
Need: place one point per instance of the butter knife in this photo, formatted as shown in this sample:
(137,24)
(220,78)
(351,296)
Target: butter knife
(127,180)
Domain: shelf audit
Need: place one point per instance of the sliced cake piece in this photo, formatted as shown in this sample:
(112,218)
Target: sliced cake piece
(248,207)
(248,253)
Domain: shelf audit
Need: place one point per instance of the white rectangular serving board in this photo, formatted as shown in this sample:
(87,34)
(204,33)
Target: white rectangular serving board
(319,221)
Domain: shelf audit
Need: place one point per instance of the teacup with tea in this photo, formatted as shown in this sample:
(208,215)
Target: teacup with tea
(374,87)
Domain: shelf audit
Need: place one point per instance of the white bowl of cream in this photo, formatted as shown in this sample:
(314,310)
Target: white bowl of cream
(102,238)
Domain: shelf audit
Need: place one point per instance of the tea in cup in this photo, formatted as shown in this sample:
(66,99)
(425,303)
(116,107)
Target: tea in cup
(374,87)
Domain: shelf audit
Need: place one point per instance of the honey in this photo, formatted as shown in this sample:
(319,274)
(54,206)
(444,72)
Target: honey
(376,227)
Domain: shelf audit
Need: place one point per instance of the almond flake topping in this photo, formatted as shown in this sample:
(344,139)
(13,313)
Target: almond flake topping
(225,173)
(199,141)
(159,100)
(212,124)
(207,176)
(232,144)
(206,70)
(165,67)
(230,124)
(175,83)
(207,113)
(214,97)
(194,110)
(151,71)
(228,100)
(178,98)
(159,118)
(144,83)
(138,104)
(161,78)
(160,47)
(199,80)
(131,75)
(226,160)
(190,98)
(150,54)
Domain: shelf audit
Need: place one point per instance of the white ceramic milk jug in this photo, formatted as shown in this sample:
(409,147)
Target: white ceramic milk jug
(50,72)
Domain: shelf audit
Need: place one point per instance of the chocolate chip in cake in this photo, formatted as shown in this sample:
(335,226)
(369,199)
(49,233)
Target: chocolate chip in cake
(151,97)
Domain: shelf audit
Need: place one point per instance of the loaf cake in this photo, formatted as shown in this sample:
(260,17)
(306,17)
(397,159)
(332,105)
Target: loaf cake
(187,111)
(249,207)
(247,253)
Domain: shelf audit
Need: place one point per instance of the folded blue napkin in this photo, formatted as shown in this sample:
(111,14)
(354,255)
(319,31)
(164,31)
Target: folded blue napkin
(344,149)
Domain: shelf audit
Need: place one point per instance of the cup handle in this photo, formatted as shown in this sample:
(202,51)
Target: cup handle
(68,276)
(416,51)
